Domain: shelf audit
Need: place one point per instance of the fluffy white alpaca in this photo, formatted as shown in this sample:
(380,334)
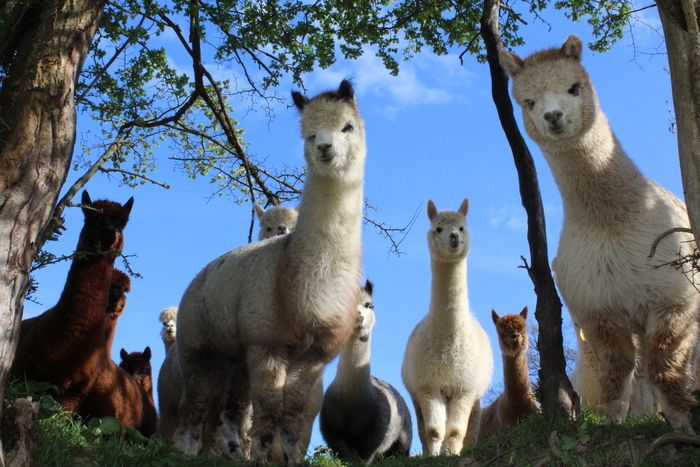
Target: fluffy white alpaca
(586,381)
(612,215)
(276,220)
(168,317)
(363,417)
(448,364)
(284,307)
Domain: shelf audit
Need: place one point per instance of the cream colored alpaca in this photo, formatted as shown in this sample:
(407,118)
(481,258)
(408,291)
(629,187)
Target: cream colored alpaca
(586,382)
(448,364)
(284,307)
(168,317)
(276,220)
(517,401)
(612,215)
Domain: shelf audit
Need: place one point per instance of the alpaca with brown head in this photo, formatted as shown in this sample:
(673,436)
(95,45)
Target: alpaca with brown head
(280,309)
(138,365)
(63,346)
(517,401)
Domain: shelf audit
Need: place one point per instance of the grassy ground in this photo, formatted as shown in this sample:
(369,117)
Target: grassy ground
(588,441)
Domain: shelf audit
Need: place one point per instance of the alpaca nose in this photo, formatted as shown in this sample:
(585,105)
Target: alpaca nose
(323,147)
(282,229)
(454,239)
(553,116)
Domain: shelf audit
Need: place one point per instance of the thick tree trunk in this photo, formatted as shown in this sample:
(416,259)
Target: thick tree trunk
(45,45)
(680,21)
(558,398)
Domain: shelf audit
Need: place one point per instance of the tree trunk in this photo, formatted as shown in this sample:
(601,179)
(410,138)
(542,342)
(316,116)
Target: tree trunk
(679,19)
(557,396)
(45,44)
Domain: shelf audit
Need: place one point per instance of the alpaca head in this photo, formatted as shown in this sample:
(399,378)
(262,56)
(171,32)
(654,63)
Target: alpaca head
(104,225)
(276,220)
(119,285)
(365,313)
(554,91)
(169,319)
(512,332)
(138,365)
(448,239)
(334,133)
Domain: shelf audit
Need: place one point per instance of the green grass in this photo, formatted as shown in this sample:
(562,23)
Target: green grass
(588,441)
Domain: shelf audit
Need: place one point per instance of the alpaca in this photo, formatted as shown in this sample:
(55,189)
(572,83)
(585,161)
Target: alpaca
(615,292)
(119,285)
(63,346)
(275,221)
(448,364)
(585,381)
(362,417)
(517,401)
(273,313)
(138,366)
(168,317)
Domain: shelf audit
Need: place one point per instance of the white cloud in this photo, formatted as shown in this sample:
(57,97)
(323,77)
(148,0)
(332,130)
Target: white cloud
(511,217)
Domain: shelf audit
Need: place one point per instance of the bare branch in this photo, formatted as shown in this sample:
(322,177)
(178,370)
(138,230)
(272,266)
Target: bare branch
(652,251)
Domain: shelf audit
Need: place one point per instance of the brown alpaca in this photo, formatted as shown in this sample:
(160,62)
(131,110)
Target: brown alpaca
(118,288)
(517,401)
(63,346)
(138,365)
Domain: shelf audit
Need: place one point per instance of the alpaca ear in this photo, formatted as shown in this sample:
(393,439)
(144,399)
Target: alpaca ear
(128,205)
(345,90)
(464,207)
(524,312)
(432,210)
(85,201)
(300,100)
(369,287)
(147,353)
(495,317)
(573,47)
(123,354)
(258,211)
(511,63)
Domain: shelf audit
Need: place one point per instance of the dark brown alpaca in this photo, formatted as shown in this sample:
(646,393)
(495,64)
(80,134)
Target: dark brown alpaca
(119,286)
(138,365)
(64,345)
(517,401)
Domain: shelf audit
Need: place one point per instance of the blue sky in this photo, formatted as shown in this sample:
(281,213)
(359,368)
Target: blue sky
(432,133)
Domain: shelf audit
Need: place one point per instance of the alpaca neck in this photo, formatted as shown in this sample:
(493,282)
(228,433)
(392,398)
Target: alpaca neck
(85,295)
(449,303)
(599,183)
(516,377)
(353,372)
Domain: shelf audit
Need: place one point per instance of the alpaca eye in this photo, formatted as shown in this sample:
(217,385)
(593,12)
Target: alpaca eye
(311,138)
(461,229)
(269,229)
(575,89)
(530,104)
(368,305)
(347,128)
(439,230)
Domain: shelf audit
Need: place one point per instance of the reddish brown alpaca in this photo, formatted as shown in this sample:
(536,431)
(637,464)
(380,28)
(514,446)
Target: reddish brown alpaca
(517,401)
(63,346)
(138,365)
(119,286)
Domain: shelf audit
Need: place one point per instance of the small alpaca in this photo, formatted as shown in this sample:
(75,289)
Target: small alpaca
(625,302)
(362,417)
(138,365)
(119,286)
(64,345)
(284,307)
(168,317)
(276,220)
(517,401)
(448,364)
(586,382)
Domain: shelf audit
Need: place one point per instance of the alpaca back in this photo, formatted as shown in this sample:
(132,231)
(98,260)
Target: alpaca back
(362,417)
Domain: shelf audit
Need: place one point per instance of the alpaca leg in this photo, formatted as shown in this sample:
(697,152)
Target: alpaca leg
(474,424)
(434,417)
(614,348)
(227,435)
(267,374)
(419,420)
(458,410)
(301,380)
(669,349)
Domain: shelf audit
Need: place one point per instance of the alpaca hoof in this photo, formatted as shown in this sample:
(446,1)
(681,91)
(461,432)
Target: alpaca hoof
(186,442)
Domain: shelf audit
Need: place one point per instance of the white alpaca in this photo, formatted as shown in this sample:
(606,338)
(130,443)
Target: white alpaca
(363,417)
(276,220)
(274,313)
(448,363)
(168,317)
(612,215)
